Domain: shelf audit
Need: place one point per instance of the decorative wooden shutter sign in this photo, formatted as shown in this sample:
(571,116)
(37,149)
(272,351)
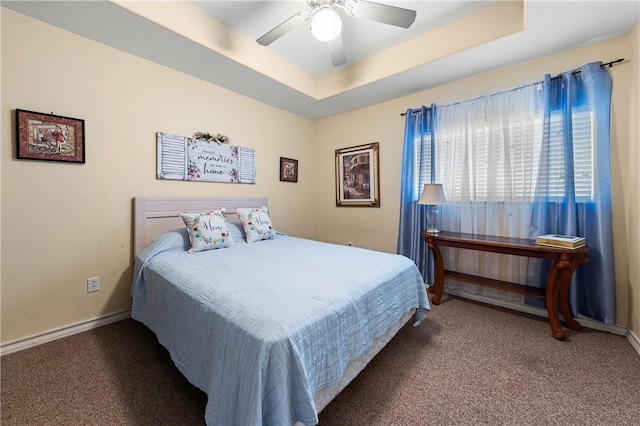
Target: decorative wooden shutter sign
(183,158)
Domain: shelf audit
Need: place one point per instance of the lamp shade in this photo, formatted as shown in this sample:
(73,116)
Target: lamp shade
(326,24)
(432,194)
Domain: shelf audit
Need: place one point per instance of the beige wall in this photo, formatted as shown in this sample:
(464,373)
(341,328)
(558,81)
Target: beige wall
(378,228)
(633,195)
(63,223)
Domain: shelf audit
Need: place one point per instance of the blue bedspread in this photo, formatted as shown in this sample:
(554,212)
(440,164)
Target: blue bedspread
(262,327)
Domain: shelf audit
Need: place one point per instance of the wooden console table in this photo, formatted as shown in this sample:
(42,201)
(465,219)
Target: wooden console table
(565,262)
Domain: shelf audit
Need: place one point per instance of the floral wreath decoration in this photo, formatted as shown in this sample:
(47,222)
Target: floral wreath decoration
(217,138)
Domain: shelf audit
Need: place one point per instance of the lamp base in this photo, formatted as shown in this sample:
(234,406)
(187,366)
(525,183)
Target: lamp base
(432,219)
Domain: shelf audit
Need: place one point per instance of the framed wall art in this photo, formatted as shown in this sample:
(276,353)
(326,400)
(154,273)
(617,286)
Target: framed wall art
(358,176)
(288,170)
(49,137)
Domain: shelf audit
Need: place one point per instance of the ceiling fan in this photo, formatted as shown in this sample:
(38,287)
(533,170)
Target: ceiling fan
(326,24)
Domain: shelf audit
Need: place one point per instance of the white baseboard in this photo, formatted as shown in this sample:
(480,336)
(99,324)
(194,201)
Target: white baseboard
(50,336)
(633,339)
(585,322)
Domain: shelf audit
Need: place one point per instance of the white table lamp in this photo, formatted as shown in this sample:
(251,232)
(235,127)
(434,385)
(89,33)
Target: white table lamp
(432,197)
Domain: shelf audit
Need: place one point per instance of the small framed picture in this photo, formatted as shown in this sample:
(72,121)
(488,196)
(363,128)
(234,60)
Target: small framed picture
(358,176)
(288,170)
(49,137)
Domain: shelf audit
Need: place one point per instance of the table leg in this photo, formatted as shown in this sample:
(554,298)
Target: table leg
(564,293)
(553,289)
(438,286)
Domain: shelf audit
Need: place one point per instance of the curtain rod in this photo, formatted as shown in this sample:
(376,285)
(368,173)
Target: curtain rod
(608,64)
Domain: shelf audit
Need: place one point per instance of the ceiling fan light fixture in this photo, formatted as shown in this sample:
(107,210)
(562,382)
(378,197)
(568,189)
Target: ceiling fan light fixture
(326,24)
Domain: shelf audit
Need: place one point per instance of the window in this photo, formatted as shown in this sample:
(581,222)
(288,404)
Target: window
(582,157)
(508,156)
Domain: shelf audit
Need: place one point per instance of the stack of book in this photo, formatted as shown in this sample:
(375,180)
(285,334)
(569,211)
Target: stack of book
(563,241)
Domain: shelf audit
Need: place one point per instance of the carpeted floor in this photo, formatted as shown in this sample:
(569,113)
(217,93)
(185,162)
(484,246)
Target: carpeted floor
(466,364)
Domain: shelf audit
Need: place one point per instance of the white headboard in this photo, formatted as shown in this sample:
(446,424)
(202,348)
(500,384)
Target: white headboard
(154,215)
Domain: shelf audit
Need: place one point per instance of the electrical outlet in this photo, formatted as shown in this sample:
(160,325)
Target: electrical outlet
(93,284)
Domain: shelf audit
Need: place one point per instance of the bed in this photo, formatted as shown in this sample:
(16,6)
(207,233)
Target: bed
(271,330)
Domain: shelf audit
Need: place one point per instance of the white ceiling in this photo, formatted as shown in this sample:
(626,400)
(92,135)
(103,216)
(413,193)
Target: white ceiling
(552,26)
(362,38)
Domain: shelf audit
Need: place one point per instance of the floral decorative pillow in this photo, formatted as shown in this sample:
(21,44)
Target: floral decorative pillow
(256,223)
(207,231)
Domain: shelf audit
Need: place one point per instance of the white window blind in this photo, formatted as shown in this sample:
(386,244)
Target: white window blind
(509,157)
(582,142)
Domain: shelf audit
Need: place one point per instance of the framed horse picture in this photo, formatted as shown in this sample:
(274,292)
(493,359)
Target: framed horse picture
(49,137)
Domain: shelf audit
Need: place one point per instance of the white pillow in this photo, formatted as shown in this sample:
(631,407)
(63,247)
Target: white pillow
(256,223)
(207,231)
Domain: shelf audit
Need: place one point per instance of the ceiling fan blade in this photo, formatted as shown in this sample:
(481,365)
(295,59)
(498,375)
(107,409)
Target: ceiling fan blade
(336,50)
(283,28)
(378,12)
